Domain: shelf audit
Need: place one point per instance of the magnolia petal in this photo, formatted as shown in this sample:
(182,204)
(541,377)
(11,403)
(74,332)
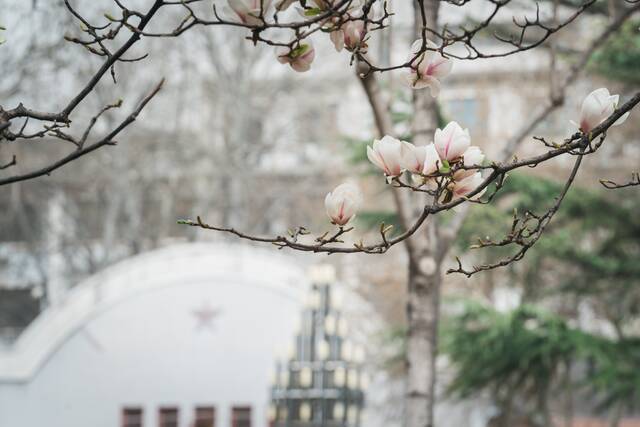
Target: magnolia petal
(374,158)
(623,118)
(442,67)
(452,141)
(337,37)
(240,7)
(473,156)
(432,162)
(434,87)
(300,66)
(413,157)
(342,203)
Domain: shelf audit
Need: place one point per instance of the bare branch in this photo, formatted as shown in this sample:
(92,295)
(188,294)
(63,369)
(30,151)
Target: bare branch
(635,180)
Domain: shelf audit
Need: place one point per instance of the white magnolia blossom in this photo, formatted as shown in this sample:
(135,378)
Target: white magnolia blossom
(597,107)
(466,185)
(413,157)
(386,154)
(351,35)
(299,58)
(473,156)
(432,162)
(452,141)
(343,203)
(428,68)
(250,11)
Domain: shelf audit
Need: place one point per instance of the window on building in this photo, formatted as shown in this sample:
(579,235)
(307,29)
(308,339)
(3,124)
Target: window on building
(241,416)
(168,417)
(205,416)
(132,417)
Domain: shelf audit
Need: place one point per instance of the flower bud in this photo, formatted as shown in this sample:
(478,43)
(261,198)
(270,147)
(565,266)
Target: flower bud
(342,203)
(452,141)
(596,108)
(299,58)
(250,12)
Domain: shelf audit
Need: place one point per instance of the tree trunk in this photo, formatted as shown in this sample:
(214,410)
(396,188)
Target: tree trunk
(425,275)
(423,304)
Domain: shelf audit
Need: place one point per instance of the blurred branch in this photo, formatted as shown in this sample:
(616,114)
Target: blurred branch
(523,233)
(635,180)
(578,144)
(81,149)
(556,100)
(328,18)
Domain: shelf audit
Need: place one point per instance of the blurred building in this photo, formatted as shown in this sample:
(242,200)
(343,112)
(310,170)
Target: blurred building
(182,336)
(140,341)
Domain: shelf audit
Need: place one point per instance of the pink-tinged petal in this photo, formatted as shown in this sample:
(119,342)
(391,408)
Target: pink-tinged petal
(597,107)
(342,203)
(413,157)
(300,66)
(440,67)
(282,54)
(416,83)
(353,33)
(390,152)
(593,108)
(374,158)
(452,141)
(434,87)
(467,185)
(240,7)
(337,37)
(432,162)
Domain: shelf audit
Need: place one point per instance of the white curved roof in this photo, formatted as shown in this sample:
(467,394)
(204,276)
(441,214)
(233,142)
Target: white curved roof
(170,266)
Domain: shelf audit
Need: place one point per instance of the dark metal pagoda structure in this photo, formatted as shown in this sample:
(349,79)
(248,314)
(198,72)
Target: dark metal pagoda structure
(321,383)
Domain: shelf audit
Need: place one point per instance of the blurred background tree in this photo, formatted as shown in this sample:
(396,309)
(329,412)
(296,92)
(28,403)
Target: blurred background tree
(619,58)
(584,268)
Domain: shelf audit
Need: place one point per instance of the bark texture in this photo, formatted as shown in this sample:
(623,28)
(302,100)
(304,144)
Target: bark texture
(425,275)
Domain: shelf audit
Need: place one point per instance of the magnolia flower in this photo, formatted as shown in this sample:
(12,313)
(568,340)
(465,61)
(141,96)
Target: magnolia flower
(452,141)
(466,185)
(428,68)
(299,58)
(353,34)
(432,162)
(473,156)
(350,35)
(343,203)
(387,155)
(597,107)
(413,157)
(250,11)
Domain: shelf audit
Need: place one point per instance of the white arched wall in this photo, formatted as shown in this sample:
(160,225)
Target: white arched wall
(130,336)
